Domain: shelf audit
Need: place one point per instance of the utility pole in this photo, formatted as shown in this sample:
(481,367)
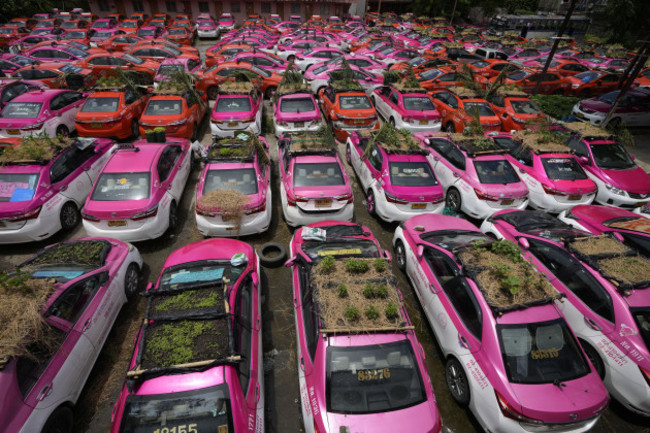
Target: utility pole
(379,8)
(549,59)
(453,12)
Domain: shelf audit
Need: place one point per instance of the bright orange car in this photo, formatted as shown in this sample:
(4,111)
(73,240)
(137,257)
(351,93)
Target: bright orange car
(162,41)
(458,107)
(440,78)
(515,110)
(252,19)
(593,83)
(422,63)
(644,78)
(489,67)
(9,34)
(103,65)
(142,17)
(112,114)
(182,35)
(552,82)
(130,25)
(221,53)
(121,43)
(347,110)
(58,75)
(210,79)
(180,114)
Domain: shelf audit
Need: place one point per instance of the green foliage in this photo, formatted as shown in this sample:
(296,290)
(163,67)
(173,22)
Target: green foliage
(506,248)
(158,129)
(352,314)
(343,291)
(371,312)
(327,264)
(186,300)
(14,281)
(369,290)
(79,252)
(173,343)
(556,106)
(623,135)
(381,291)
(391,310)
(355,266)
(380,264)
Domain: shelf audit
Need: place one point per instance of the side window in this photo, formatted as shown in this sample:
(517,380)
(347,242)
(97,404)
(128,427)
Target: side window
(440,265)
(329,93)
(376,159)
(394,98)
(578,146)
(116,61)
(244,316)
(448,77)
(453,101)
(57,102)
(71,304)
(310,319)
(100,61)
(499,101)
(167,161)
(190,99)
(29,370)
(45,74)
(464,302)
(441,146)
(130,97)
(523,155)
(456,158)
(69,162)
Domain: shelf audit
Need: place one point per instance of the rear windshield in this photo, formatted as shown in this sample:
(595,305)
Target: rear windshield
(101,25)
(17,186)
(170,69)
(21,110)
(146,32)
(297,105)
(516,76)
(162,107)
(204,410)
(372,379)
(612,157)
(177,31)
(100,105)
(495,171)
(129,25)
(243,180)
(544,352)
(74,35)
(418,103)
(102,35)
(354,102)
(317,174)
(483,108)
(411,174)
(122,186)
(524,107)
(233,105)
(563,169)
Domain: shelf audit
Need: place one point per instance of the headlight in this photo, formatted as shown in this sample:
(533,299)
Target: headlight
(615,190)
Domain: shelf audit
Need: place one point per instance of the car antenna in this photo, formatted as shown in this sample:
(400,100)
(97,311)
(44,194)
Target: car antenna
(557,382)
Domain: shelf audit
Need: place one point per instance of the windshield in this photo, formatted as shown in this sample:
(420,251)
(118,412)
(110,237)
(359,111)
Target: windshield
(170,69)
(429,74)
(411,174)
(495,171)
(225,19)
(340,248)
(21,110)
(323,68)
(205,410)
(317,174)
(612,156)
(101,24)
(417,61)
(176,32)
(242,180)
(194,274)
(609,97)
(146,32)
(122,187)
(297,105)
(354,102)
(100,105)
(233,105)
(102,35)
(587,77)
(563,169)
(133,59)
(163,107)
(543,352)
(450,239)
(17,186)
(129,24)
(418,103)
(75,35)
(524,107)
(372,379)
(483,108)
(518,75)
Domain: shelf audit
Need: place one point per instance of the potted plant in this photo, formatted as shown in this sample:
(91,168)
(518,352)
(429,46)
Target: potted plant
(159,133)
(150,135)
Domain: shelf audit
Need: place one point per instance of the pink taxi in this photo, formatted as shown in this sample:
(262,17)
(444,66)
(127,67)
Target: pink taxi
(215,386)
(136,195)
(353,379)
(610,315)
(410,109)
(237,108)
(513,360)
(40,197)
(296,111)
(169,67)
(248,173)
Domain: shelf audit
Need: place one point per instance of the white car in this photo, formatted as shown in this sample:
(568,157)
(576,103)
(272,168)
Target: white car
(309,58)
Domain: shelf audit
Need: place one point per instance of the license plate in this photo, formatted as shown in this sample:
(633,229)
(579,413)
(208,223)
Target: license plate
(359,121)
(321,203)
(575,197)
(423,122)
(117,223)
(507,202)
(226,218)
(13,131)
(580,115)
(232,124)
(418,205)
(96,125)
(298,124)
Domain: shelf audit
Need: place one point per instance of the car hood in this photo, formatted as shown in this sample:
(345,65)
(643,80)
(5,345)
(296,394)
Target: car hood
(597,105)
(298,117)
(419,418)
(634,180)
(581,186)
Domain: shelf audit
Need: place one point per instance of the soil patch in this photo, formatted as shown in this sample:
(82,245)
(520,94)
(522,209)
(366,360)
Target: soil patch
(598,246)
(187,301)
(225,201)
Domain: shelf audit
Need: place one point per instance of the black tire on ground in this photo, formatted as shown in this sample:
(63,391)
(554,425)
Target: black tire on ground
(453,199)
(400,255)
(69,216)
(457,382)
(60,421)
(173,217)
(62,130)
(131,280)
(450,127)
(195,133)
(594,358)
(392,121)
(370,202)
(348,154)
(269,92)
(272,254)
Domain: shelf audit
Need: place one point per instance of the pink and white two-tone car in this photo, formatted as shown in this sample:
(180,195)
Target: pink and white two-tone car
(296,111)
(410,109)
(217,383)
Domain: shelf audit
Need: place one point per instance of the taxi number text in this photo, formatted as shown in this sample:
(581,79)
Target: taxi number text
(185,428)
(544,353)
(373,374)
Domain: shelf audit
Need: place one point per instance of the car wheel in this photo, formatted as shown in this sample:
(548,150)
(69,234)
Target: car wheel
(453,199)
(135,129)
(212,92)
(69,216)
(450,127)
(400,255)
(457,382)
(392,122)
(173,216)
(272,254)
(370,202)
(269,92)
(348,154)
(131,280)
(60,421)
(594,358)
(62,130)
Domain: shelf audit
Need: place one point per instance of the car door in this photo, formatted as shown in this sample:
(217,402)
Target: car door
(446,104)
(69,174)
(438,159)
(381,101)
(167,168)
(71,104)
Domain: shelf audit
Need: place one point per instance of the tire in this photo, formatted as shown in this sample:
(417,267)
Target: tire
(69,216)
(559,92)
(450,127)
(594,358)
(173,217)
(371,203)
(457,382)
(291,58)
(269,92)
(131,280)
(62,130)
(392,122)
(400,255)
(135,129)
(272,254)
(453,199)
(60,421)
(212,92)
(348,154)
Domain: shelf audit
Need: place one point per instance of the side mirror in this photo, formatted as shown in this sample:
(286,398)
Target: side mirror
(523,243)
(256,279)
(505,115)
(387,255)
(618,236)
(289,263)
(420,251)
(149,286)
(585,160)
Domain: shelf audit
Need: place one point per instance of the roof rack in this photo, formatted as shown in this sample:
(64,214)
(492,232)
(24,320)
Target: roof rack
(398,143)
(310,143)
(241,147)
(363,283)
(476,145)
(588,131)
(537,143)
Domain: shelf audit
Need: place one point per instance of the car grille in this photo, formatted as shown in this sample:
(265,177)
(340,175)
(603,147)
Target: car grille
(636,196)
(586,110)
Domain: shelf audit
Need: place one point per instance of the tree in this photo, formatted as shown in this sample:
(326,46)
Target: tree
(26,8)
(626,21)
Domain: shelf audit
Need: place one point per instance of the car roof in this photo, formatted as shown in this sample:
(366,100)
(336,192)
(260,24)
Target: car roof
(129,160)
(39,95)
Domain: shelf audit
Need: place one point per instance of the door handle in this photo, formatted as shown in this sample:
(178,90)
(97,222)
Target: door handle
(257,392)
(302,363)
(456,174)
(463,342)
(258,324)
(87,325)
(592,324)
(47,390)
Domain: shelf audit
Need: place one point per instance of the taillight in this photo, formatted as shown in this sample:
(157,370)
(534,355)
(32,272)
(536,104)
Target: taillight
(552,191)
(204,212)
(257,209)
(32,214)
(146,214)
(486,197)
(438,200)
(32,127)
(512,413)
(646,374)
(347,196)
(89,217)
(291,201)
(393,199)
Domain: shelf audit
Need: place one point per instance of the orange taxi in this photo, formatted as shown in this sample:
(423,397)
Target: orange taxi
(210,79)
(458,107)
(180,114)
(489,67)
(121,43)
(103,65)
(347,109)
(130,25)
(58,75)
(440,78)
(221,53)
(515,109)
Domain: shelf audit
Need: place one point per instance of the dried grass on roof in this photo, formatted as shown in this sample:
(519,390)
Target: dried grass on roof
(514,91)
(598,245)
(21,300)
(464,92)
(473,142)
(332,307)
(586,129)
(286,88)
(236,87)
(539,142)
(453,45)
(35,148)
(628,269)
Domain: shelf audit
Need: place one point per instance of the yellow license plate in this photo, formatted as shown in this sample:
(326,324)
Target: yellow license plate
(232,228)
(423,122)
(580,115)
(232,124)
(575,197)
(13,131)
(418,205)
(117,223)
(96,125)
(226,218)
(321,203)
(639,204)
(359,121)
(507,202)
(298,124)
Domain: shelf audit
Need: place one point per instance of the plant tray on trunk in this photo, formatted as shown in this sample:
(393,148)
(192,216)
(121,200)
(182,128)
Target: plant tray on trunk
(538,143)
(355,296)
(506,280)
(41,148)
(242,146)
(236,87)
(225,202)
(79,252)
(588,131)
